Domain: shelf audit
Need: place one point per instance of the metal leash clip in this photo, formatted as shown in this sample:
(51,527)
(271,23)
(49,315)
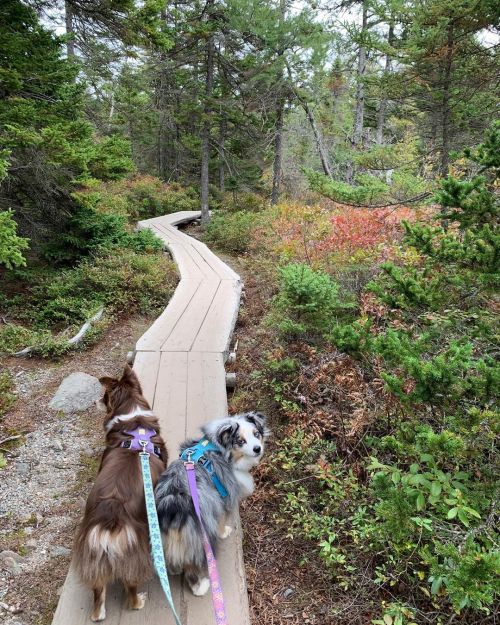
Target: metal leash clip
(143,444)
(189,464)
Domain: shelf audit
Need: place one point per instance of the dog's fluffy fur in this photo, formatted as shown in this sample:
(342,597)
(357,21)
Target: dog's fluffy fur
(241,441)
(112,542)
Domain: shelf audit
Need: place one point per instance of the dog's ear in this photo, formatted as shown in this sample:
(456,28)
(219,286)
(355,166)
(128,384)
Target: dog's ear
(129,377)
(258,419)
(227,433)
(108,383)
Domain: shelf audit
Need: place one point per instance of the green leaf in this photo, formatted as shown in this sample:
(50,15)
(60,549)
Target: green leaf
(396,477)
(387,619)
(420,502)
(452,513)
(436,489)
(436,585)
(463,517)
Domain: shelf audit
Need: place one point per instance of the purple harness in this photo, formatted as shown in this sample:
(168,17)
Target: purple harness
(141,440)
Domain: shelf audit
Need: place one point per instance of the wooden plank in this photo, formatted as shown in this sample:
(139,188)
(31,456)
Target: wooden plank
(161,329)
(146,366)
(225,272)
(217,328)
(186,329)
(170,403)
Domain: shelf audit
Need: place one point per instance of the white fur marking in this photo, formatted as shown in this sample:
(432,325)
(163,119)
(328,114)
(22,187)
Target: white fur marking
(138,412)
(200,588)
(113,544)
(228,530)
(101,616)
(141,596)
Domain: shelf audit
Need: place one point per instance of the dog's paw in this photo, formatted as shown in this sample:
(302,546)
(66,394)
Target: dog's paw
(96,617)
(139,601)
(200,588)
(228,530)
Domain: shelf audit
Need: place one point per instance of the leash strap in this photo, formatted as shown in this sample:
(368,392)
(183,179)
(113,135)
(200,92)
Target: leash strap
(213,572)
(154,532)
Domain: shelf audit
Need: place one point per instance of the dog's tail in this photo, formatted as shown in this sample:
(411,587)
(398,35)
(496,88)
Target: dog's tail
(112,546)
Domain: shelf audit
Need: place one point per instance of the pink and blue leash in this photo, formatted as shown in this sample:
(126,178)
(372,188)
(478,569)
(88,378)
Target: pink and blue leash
(213,571)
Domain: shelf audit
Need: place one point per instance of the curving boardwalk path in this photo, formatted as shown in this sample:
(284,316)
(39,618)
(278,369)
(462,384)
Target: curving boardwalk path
(180,362)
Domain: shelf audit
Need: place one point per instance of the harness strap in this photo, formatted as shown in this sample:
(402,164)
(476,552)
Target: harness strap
(213,572)
(154,532)
(196,454)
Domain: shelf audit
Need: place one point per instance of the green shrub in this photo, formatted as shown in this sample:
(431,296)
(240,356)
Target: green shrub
(111,158)
(307,300)
(231,231)
(136,198)
(120,279)
(88,231)
(7,396)
(11,246)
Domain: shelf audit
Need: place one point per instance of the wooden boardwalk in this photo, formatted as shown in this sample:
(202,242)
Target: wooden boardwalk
(180,362)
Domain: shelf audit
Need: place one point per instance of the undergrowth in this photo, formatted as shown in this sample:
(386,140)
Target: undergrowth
(388,396)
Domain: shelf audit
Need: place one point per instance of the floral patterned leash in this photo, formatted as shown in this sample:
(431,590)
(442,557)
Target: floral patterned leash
(213,572)
(154,529)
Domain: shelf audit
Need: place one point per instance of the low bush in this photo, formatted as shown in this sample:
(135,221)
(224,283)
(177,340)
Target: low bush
(11,246)
(88,231)
(231,231)
(120,279)
(138,197)
(307,300)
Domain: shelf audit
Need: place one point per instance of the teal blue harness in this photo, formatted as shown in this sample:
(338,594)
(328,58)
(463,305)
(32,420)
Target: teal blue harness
(196,455)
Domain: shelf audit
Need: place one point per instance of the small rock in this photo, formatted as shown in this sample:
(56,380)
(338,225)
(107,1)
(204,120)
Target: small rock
(57,552)
(11,565)
(288,593)
(10,554)
(22,468)
(31,544)
(57,445)
(76,393)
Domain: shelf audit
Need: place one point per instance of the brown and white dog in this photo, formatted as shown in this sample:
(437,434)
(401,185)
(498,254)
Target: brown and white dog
(112,542)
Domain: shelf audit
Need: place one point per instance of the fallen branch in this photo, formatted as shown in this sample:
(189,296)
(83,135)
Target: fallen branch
(72,341)
(10,438)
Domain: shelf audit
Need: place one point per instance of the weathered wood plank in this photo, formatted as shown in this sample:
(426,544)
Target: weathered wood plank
(161,329)
(188,326)
(217,328)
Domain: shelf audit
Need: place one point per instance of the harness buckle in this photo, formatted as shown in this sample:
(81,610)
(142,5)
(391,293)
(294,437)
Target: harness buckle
(189,464)
(143,444)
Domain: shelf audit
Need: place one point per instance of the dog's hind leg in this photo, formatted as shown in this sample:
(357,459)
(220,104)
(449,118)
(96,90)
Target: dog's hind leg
(223,531)
(197,580)
(135,600)
(99,608)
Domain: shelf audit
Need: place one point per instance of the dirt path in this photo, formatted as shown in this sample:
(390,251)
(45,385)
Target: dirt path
(46,481)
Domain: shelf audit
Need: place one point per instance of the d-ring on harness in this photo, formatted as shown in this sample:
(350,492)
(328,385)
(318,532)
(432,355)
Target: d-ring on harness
(213,572)
(154,526)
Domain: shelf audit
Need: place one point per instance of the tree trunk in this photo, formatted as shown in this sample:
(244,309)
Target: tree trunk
(278,136)
(446,109)
(68,16)
(222,141)
(319,141)
(379,137)
(278,152)
(357,133)
(207,112)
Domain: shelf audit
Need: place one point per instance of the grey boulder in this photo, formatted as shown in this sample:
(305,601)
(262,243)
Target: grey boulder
(76,393)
